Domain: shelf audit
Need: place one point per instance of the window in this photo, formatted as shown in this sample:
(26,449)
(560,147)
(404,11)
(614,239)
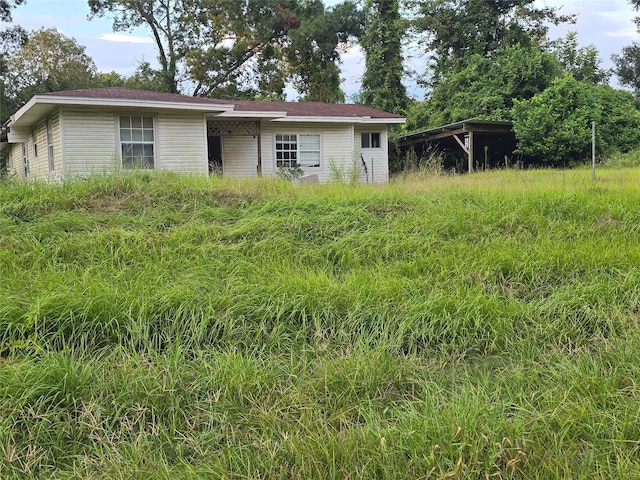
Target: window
(52,165)
(293,149)
(34,134)
(370,140)
(137,142)
(25,160)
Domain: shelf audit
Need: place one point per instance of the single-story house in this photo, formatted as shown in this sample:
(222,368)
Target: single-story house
(82,132)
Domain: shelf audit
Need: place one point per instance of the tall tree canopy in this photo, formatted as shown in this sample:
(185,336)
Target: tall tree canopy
(233,45)
(582,63)
(10,39)
(312,49)
(486,87)
(242,48)
(382,42)
(458,29)
(627,64)
(162,17)
(5,9)
(47,62)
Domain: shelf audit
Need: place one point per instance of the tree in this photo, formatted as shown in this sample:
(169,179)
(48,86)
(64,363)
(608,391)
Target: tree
(382,86)
(10,39)
(145,77)
(5,9)
(486,88)
(311,52)
(627,66)
(47,62)
(217,45)
(162,17)
(555,126)
(583,63)
(234,46)
(458,29)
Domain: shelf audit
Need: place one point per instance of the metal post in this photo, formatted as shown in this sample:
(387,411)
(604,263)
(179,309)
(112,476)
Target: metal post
(593,150)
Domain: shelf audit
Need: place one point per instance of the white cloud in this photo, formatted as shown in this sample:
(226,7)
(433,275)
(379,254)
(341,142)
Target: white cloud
(625,33)
(120,38)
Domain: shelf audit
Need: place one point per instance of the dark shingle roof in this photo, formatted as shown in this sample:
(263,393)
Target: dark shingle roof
(296,109)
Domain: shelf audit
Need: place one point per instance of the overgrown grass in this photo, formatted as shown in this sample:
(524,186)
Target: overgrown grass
(161,326)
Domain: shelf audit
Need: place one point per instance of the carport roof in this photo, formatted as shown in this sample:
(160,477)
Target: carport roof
(456,128)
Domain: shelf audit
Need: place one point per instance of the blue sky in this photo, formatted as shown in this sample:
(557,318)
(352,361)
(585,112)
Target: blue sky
(606,24)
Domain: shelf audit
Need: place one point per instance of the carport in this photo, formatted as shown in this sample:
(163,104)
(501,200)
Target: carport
(485,143)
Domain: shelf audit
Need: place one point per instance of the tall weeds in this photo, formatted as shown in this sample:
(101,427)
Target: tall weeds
(155,325)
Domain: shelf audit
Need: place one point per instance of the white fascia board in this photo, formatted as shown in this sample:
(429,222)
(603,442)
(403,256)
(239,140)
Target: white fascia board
(22,110)
(384,120)
(347,120)
(311,119)
(120,103)
(252,114)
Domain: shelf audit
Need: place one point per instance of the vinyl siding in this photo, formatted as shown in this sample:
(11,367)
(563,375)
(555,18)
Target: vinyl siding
(181,142)
(336,146)
(89,140)
(377,159)
(16,165)
(43,153)
(240,156)
(38,166)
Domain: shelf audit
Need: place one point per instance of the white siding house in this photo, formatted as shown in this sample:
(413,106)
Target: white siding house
(83,132)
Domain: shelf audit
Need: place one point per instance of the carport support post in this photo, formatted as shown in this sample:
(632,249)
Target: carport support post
(470,151)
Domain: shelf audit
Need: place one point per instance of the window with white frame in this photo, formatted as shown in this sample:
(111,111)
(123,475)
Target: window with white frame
(370,140)
(137,141)
(297,149)
(52,165)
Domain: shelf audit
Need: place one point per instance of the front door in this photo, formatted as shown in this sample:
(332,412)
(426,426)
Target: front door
(214,149)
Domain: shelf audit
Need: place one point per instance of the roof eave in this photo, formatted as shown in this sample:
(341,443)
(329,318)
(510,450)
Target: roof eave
(115,102)
(338,119)
(252,114)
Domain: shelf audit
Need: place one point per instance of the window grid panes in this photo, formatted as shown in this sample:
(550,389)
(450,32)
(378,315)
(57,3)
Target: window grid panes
(293,149)
(370,140)
(137,142)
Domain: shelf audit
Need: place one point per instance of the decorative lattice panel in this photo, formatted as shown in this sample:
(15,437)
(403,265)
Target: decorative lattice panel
(231,128)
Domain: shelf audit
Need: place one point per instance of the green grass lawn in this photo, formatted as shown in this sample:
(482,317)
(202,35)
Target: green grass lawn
(476,326)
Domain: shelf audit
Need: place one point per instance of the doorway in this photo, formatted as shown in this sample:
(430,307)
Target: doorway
(214,154)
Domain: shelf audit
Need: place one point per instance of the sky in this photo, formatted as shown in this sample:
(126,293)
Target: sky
(606,24)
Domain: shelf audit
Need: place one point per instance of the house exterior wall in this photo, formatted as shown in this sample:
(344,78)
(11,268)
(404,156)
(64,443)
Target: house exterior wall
(181,140)
(37,152)
(240,157)
(336,146)
(377,159)
(15,167)
(86,142)
(91,141)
